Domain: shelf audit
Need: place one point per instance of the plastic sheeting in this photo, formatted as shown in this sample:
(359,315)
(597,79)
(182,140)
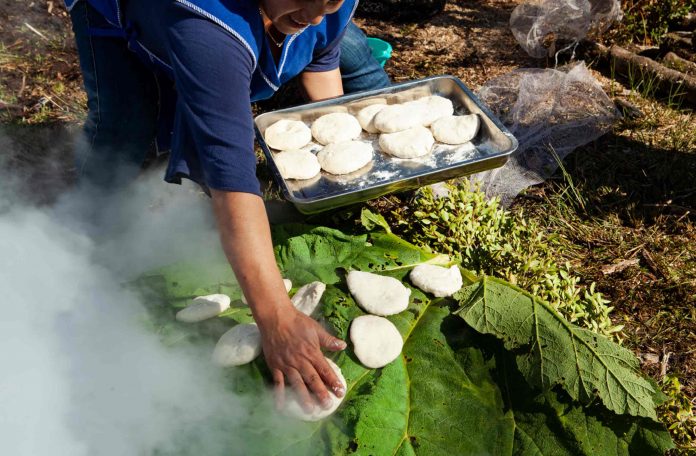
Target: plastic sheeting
(551,113)
(545,27)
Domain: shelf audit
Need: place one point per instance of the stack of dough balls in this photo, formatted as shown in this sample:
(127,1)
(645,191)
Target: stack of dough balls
(289,137)
(341,154)
(403,127)
(407,131)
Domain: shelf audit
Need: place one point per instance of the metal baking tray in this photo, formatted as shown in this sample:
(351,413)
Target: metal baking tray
(385,174)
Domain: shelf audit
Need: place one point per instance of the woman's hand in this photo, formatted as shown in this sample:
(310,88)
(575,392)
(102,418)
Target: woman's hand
(292,344)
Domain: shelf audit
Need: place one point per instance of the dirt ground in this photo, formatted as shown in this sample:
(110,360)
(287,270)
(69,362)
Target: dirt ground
(628,199)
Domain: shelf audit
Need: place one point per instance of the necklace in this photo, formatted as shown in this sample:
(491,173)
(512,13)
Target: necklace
(268,32)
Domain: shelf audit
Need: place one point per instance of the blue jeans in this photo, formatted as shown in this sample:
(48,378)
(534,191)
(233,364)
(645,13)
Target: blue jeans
(122,102)
(123,98)
(359,69)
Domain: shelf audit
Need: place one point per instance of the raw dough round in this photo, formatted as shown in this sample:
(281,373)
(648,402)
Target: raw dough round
(336,127)
(297,164)
(366,117)
(345,157)
(376,341)
(204,307)
(286,282)
(437,280)
(456,129)
(240,345)
(395,118)
(376,294)
(307,298)
(412,143)
(287,134)
(294,409)
(432,108)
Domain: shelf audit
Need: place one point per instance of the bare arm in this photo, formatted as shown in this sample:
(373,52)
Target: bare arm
(292,341)
(321,85)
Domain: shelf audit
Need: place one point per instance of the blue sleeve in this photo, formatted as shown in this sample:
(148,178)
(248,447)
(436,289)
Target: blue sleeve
(213,142)
(327,59)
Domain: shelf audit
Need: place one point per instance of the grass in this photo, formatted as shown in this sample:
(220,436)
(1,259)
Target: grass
(631,197)
(646,22)
(43,79)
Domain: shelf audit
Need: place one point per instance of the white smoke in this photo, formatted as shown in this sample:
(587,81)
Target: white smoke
(80,372)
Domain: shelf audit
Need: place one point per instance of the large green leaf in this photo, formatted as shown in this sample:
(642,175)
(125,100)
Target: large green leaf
(308,253)
(550,423)
(452,391)
(552,352)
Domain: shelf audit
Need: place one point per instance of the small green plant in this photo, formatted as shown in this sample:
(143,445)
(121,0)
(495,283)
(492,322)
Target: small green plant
(678,412)
(648,21)
(490,240)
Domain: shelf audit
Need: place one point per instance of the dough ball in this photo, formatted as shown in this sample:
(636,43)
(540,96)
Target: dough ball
(240,345)
(297,164)
(432,108)
(204,307)
(395,118)
(367,115)
(412,143)
(376,294)
(336,127)
(456,129)
(437,280)
(287,134)
(345,157)
(286,282)
(376,341)
(293,407)
(307,298)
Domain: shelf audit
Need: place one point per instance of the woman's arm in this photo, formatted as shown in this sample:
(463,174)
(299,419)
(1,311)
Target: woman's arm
(321,85)
(215,134)
(292,342)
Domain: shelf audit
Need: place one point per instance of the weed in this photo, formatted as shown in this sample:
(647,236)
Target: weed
(648,21)
(490,240)
(679,412)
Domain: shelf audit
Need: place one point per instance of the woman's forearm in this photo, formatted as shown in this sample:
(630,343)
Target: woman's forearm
(246,239)
(322,85)
(292,341)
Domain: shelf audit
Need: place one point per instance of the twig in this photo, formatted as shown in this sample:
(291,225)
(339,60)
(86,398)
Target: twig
(23,86)
(620,266)
(36,31)
(664,364)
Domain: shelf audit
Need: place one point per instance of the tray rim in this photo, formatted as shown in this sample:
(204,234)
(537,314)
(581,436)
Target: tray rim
(343,99)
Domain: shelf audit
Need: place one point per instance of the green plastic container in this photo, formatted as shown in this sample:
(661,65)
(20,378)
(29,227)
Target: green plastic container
(381,50)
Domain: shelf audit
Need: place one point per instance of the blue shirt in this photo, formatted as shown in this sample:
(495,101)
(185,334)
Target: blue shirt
(213,142)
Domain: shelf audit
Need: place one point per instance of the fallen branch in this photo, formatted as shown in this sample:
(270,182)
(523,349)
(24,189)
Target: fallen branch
(675,62)
(620,266)
(36,31)
(665,80)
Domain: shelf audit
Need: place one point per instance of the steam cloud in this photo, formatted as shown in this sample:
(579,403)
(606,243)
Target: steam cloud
(80,372)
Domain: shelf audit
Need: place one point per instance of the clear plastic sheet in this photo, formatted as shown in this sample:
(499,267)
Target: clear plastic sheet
(551,113)
(546,27)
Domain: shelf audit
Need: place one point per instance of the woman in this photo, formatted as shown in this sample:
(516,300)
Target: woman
(220,55)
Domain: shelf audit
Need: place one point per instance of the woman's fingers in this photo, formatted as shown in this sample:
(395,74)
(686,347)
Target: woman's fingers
(329,377)
(298,384)
(316,384)
(279,388)
(330,342)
